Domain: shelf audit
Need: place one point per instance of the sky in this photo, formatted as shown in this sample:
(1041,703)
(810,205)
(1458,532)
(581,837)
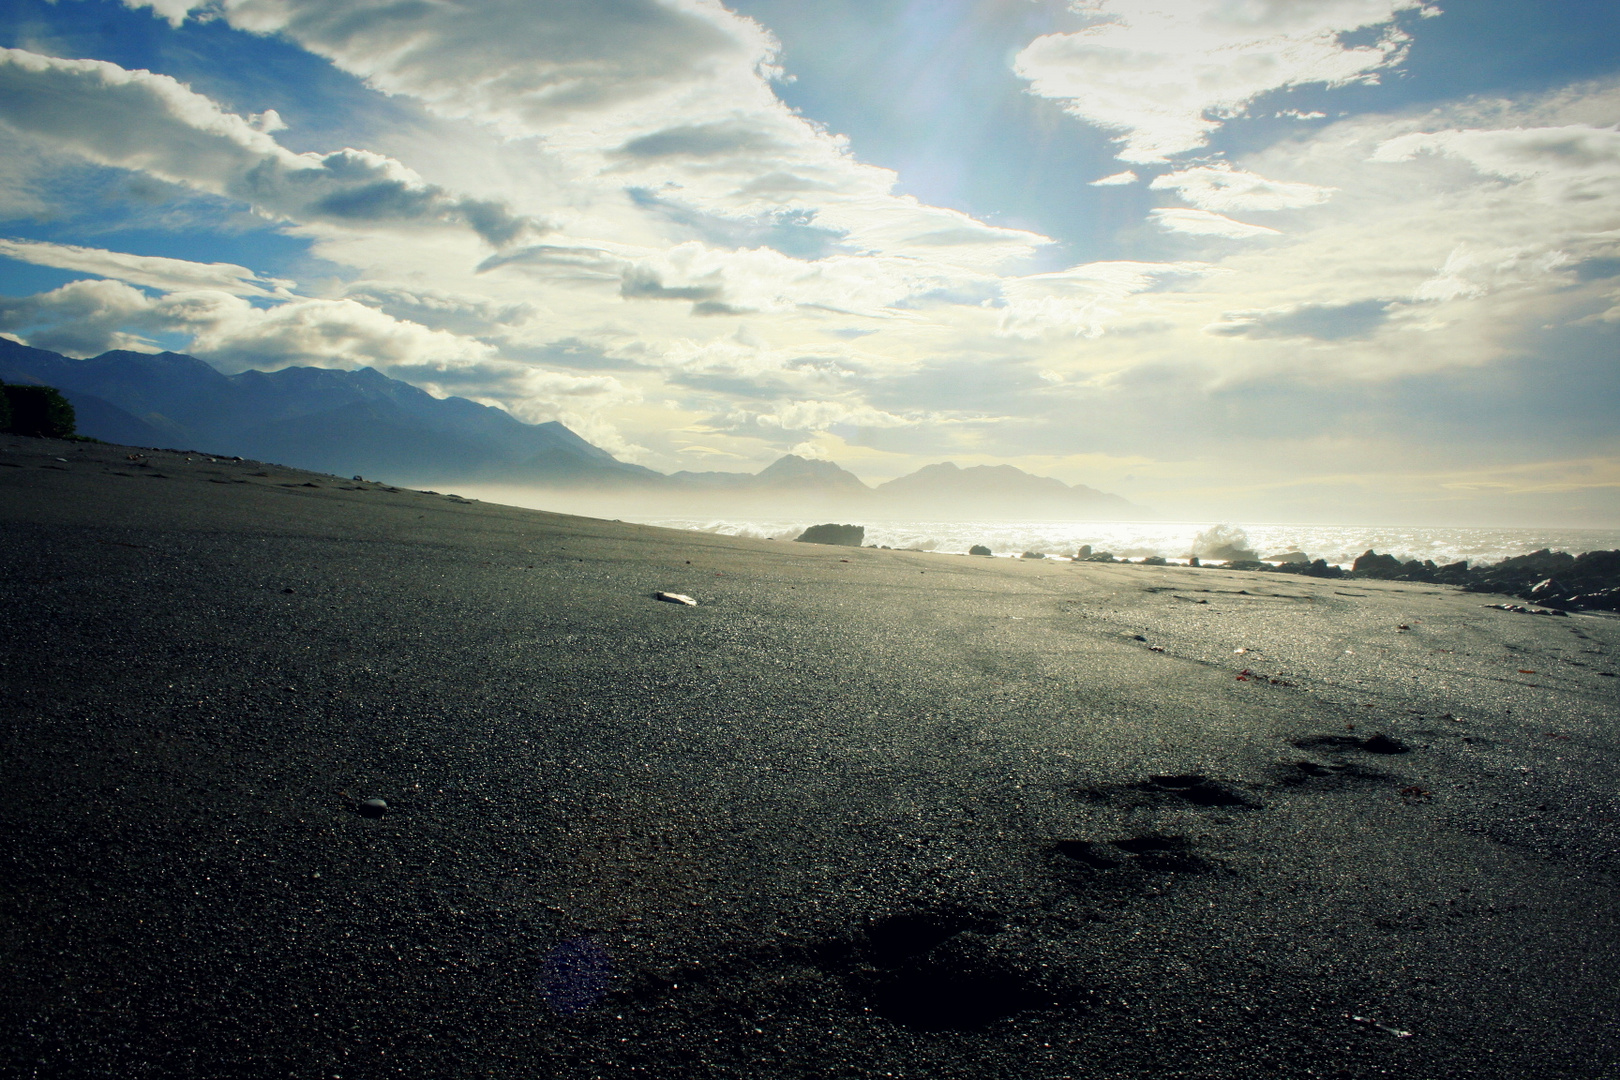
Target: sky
(1262,260)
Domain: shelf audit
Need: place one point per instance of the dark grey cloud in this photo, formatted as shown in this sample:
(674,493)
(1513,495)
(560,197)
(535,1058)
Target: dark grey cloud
(1324,322)
(643,284)
(785,183)
(460,314)
(700,141)
(1598,269)
(353,187)
(557,260)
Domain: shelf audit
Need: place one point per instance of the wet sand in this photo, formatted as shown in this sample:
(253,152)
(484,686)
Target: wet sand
(858,813)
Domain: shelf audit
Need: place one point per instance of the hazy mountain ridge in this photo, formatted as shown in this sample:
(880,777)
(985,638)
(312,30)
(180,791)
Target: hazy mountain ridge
(363,422)
(1002,489)
(314,418)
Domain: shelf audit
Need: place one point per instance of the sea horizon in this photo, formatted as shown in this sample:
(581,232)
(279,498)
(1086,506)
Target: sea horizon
(1339,545)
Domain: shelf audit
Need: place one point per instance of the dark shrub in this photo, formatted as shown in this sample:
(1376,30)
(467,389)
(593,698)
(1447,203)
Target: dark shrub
(39,410)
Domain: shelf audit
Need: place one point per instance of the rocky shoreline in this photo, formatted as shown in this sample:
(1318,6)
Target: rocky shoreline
(1553,579)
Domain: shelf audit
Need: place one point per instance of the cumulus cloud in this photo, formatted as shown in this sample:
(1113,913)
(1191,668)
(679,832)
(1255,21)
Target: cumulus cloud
(154,124)
(1222,187)
(320,333)
(82,318)
(1164,74)
(514,62)
(150,271)
(644,94)
(1207,223)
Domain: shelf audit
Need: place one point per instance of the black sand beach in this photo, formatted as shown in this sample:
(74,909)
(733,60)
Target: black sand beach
(858,814)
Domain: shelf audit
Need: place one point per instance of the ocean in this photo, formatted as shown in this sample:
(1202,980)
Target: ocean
(1338,544)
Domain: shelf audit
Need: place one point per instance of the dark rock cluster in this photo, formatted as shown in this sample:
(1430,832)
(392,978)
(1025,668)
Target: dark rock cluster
(839,535)
(1553,579)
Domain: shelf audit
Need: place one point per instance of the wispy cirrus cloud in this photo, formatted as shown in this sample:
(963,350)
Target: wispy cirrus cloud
(151,271)
(1207,223)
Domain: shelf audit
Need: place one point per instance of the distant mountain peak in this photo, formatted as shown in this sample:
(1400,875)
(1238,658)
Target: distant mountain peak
(793,469)
(998,489)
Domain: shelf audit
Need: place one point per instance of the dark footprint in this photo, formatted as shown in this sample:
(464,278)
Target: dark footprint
(1154,852)
(1199,790)
(954,994)
(896,938)
(1096,856)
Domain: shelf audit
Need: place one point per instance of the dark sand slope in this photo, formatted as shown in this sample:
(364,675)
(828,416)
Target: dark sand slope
(889,816)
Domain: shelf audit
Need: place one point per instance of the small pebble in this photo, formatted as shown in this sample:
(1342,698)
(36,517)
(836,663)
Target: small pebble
(373,808)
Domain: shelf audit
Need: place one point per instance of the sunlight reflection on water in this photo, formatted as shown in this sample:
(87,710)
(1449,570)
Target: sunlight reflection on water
(1338,544)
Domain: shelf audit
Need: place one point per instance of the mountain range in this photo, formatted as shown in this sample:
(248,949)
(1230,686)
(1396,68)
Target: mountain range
(363,422)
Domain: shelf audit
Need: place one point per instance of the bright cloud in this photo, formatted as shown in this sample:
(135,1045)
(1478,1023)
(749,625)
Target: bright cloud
(1221,187)
(1118,179)
(147,270)
(1207,223)
(607,214)
(154,124)
(1166,73)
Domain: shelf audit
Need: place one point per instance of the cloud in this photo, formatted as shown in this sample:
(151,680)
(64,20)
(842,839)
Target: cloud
(521,65)
(1323,322)
(1568,162)
(461,313)
(699,141)
(1118,179)
(1084,299)
(319,333)
(151,123)
(790,231)
(765,280)
(821,415)
(1164,74)
(656,95)
(150,271)
(174,12)
(579,262)
(1205,223)
(1221,187)
(82,318)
